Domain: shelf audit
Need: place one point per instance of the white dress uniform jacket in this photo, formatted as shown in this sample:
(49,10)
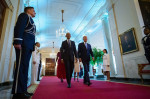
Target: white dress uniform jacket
(36,58)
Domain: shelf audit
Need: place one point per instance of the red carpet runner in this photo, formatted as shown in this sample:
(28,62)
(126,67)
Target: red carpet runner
(52,88)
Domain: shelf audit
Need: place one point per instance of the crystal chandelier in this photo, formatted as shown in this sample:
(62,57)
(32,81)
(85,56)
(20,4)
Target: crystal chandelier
(61,32)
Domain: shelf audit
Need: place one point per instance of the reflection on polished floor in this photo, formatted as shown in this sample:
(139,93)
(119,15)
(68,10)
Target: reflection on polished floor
(5,92)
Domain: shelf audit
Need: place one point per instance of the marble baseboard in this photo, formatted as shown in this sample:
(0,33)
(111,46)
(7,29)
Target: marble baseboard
(129,79)
(6,83)
(91,76)
(99,76)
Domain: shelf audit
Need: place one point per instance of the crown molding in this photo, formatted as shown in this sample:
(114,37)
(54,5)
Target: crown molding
(9,4)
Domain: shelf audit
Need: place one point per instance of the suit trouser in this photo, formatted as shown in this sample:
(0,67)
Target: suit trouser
(69,66)
(21,71)
(86,70)
(39,71)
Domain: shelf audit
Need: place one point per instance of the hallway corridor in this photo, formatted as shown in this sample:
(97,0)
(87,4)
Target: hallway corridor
(103,42)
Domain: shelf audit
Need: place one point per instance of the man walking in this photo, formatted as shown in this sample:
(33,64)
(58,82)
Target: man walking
(68,51)
(84,52)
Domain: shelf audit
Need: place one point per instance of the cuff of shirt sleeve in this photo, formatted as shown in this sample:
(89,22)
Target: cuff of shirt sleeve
(17,42)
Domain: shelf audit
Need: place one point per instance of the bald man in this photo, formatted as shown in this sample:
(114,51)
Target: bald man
(68,51)
(84,52)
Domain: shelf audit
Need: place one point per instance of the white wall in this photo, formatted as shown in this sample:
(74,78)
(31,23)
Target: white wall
(96,38)
(126,15)
(7,53)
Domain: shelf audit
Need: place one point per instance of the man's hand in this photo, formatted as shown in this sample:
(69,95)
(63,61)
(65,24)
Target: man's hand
(80,66)
(62,61)
(34,62)
(80,60)
(93,58)
(17,46)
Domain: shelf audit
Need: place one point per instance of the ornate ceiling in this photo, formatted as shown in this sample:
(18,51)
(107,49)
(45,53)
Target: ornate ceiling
(77,15)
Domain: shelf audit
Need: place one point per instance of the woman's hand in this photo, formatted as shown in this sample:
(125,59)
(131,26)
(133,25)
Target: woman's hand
(62,61)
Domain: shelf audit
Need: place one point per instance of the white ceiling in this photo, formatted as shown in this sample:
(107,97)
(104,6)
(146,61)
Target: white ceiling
(77,15)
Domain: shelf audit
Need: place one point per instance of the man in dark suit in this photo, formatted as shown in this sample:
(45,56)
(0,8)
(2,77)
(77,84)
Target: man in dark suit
(68,51)
(24,40)
(84,52)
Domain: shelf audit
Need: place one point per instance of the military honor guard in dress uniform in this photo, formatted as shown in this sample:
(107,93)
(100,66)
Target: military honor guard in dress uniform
(39,68)
(35,63)
(24,40)
(146,42)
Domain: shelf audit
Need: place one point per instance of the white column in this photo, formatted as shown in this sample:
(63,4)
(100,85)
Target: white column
(108,43)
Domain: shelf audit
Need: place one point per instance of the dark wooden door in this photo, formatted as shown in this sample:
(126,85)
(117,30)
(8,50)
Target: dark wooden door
(50,67)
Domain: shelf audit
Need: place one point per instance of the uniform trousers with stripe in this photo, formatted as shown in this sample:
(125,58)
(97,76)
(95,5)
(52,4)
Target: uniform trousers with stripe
(21,70)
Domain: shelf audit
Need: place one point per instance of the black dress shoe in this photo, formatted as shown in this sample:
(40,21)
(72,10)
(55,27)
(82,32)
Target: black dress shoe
(61,80)
(31,94)
(85,83)
(89,83)
(21,96)
(69,86)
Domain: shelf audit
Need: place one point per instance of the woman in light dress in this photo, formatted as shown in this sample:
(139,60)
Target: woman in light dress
(76,70)
(35,64)
(106,64)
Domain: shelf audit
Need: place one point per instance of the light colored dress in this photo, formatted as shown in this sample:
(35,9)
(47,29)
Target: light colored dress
(106,62)
(77,66)
(36,58)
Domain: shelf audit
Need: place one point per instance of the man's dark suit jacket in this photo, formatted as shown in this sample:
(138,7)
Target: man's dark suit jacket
(68,53)
(84,53)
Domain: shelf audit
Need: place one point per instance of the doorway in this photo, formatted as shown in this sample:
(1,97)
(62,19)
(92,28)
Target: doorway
(50,67)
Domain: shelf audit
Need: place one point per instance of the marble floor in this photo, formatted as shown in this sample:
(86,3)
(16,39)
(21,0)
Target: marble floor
(5,91)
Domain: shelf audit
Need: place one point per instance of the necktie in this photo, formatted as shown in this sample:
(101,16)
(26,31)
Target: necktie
(86,45)
(69,43)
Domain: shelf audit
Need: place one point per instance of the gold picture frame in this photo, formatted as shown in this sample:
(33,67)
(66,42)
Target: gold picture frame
(128,42)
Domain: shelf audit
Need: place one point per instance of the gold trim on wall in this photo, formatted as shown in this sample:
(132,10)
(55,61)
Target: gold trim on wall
(134,35)
(118,38)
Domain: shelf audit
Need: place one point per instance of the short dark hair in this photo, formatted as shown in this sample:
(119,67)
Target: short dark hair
(27,8)
(37,43)
(106,50)
(147,26)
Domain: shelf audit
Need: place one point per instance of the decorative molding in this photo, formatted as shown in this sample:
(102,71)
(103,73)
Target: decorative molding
(9,4)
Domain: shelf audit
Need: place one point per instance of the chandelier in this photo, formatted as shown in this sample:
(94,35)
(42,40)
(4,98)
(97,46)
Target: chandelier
(53,54)
(61,32)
